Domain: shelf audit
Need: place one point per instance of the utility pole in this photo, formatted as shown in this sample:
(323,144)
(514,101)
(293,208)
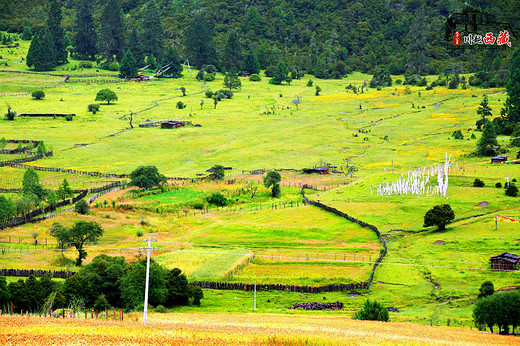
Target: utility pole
(148,249)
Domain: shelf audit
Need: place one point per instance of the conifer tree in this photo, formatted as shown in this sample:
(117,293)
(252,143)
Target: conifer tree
(153,33)
(134,44)
(232,52)
(281,74)
(511,110)
(250,63)
(418,46)
(41,52)
(86,36)
(152,62)
(199,42)
(487,144)
(231,80)
(57,32)
(128,68)
(172,58)
(111,32)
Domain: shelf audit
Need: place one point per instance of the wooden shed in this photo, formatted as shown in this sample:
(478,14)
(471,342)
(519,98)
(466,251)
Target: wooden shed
(505,261)
(172,124)
(499,159)
(320,170)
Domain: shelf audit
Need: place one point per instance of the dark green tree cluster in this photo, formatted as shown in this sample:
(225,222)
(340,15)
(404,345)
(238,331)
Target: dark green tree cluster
(33,295)
(147,177)
(77,236)
(440,216)
(373,311)
(272,180)
(499,309)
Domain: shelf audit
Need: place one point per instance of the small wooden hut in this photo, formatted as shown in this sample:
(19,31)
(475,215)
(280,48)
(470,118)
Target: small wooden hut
(499,159)
(320,170)
(505,261)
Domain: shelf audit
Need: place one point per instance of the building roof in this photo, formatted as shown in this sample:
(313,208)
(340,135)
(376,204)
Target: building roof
(509,257)
(321,168)
(499,157)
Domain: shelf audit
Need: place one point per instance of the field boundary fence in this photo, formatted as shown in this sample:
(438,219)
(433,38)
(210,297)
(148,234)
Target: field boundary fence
(359,222)
(57,274)
(279,287)
(17,163)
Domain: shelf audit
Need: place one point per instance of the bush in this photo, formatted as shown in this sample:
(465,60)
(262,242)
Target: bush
(38,95)
(478,183)
(114,66)
(180,105)
(81,207)
(209,77)
(269,71)
(373,311)
(512,190)
(69,117)
(498,185)
(160,309)
(486,289)
(227,93)
(218,199)
(93,107)
(457,134)
(255,78)
(209,68)
(209,94)
(10,115)
(309,83)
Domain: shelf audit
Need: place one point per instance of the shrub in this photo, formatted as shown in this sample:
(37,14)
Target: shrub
(69,117)
(209,94)
(85,64)
(269,71)
(486,289)
(209,68)
(81,207)
(38,95)
(180,105)
(457,134)
(454,83)
(373,311)
(255,78)
(114,66)
(309,83)
(478,183)
(217,199)
(160,309)
(498,185)
(139,233)
(93,107)
(209,77)
(227,93)
(512,190)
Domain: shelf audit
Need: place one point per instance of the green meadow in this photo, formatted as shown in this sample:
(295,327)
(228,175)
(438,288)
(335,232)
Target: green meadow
(430,276)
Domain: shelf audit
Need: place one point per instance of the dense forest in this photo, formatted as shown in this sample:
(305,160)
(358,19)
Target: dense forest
(318,36)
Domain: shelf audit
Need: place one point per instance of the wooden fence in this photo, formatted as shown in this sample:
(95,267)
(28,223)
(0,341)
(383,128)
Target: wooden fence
(359,222)
(57,274)
(279,287)
(18,163)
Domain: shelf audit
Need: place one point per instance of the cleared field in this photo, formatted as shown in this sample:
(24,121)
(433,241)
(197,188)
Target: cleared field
(232,329)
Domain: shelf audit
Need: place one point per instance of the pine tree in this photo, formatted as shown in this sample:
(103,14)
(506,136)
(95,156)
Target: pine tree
(151,62)
(27,34)
(128,68)
(232,52)
(41,53)
(250,64)
(86,36)
(231,80)
(172,58)
(511,110)
(487,144)
(134,44)
(153,33)
(111,32)
(418,44)
(252,24)
(57,32)
(281,74)
(199,42)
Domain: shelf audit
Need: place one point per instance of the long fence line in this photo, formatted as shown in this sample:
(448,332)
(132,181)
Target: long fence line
(19,163)
(58,274)
(21,150)
(359,222)
(60,75)
(95,81)
(279,287)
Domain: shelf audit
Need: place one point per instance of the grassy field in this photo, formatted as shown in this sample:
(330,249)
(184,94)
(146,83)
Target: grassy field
(429,276)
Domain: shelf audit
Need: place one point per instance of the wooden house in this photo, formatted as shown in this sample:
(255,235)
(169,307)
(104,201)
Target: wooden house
(499,159)
(505,261)
(320,170)
(172,124)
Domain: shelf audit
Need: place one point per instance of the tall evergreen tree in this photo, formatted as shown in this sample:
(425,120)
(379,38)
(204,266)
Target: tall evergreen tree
(232,52)
(153,33)
(281,74)
(251,24)
(487,144)
(111,32)
(250,64)
(134,44)
(172,58)
(57,32)
(199,42)
(418,44)
(41,52)
(511,110)
(128,68)
(86,36)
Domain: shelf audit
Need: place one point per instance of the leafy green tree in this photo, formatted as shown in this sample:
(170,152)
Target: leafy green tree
(79,286)
(373,311)
(199,42)
(172,59)
(197,294)
(57,32)
(418,45)
(281,74)
(272,180)
(4,292)
(35,294)
(24,205)
(486,289)
(38,95)
(153,33)
(250,63)
(7,208)
(80,233)
(217,199)
(252,22)
(64,190)
(178,288)
(511,110)
(135,46)
(101,303)
(512,190)
(106,95)
(484,111)
(31,185)
(111,31)
(217,171)
(81,207)
(48,285)
(42,54)
(41,149)
(440,216)
(86,36)
(231,80)
(147,177)
(18,295)
(105,273)
(232,58)
(52,198)
(133,284)
(487,145)
(128,67)
(151,61)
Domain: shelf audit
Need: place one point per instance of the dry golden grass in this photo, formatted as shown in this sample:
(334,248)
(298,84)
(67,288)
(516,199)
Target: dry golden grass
(234,329)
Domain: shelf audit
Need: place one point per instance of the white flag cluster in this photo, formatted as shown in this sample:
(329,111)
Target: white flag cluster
(417,182)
